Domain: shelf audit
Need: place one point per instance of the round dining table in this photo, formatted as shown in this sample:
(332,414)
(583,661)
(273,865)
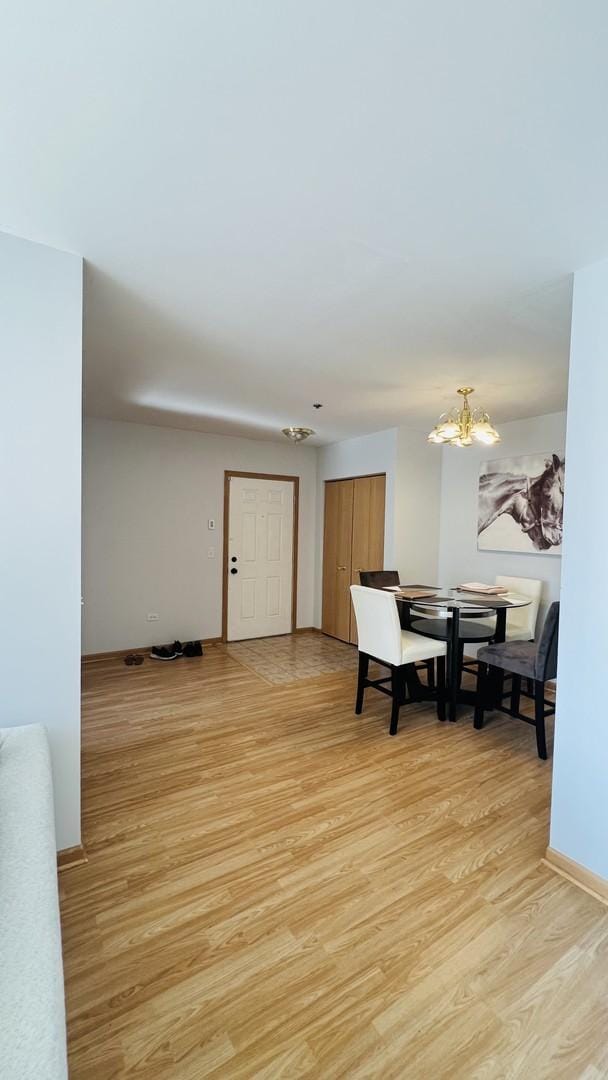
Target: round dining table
(447,608)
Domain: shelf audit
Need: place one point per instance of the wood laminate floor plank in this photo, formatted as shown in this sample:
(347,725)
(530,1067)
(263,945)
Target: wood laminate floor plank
(276,888)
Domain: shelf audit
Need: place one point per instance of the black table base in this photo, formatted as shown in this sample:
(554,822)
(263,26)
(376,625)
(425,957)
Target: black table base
(455,631)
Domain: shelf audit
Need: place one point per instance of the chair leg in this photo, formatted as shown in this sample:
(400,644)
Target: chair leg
(460,663)
(539,716)
(362,676)
(482,690)
(430,674)
(397,687)
(441,688)
(515,694)
(411,680)
(500,686)
(495,686)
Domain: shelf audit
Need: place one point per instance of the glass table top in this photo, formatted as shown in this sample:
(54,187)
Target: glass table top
(459,598)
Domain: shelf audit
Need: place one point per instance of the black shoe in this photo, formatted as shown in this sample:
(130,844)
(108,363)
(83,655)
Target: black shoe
(161,652)
(133,659)
(177,648)
(193,648)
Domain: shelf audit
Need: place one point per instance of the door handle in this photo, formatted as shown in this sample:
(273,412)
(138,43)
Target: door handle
(340,568)
(234,570)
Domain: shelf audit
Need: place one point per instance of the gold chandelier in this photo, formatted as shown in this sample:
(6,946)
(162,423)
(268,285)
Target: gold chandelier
(465,426)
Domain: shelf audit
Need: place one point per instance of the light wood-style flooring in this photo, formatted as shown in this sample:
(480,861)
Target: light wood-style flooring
(276,888)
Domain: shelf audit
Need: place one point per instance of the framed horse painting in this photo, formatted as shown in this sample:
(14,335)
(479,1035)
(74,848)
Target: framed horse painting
(521,504)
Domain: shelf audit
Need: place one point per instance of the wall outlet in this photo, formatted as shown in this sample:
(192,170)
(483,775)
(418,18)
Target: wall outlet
(211,523)
(152,616)
(211,553)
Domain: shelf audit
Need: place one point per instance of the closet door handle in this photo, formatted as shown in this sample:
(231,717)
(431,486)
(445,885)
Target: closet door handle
(340,568)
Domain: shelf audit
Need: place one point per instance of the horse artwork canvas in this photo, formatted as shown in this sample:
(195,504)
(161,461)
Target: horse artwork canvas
(521,504)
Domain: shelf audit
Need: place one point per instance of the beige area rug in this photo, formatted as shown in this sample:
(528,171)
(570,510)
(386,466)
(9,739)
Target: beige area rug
(295,656)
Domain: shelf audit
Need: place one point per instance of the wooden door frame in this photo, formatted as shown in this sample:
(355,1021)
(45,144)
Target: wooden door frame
(295,480)
(359,476)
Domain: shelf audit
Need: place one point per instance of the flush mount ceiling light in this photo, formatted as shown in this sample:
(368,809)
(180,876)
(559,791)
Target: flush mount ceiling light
(297,434)
(465,426)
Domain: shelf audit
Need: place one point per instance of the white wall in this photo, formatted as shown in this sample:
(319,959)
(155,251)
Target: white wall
(417,508)
(579,812)
(148,494)
(41,347)
(459,559)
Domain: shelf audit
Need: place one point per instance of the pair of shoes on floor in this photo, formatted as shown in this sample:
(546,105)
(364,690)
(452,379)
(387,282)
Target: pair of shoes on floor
(167,652)
(171,652)
(192,648)
(164,652)
(133,659)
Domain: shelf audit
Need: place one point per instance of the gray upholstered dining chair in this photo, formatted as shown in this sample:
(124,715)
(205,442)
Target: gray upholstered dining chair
(524,660)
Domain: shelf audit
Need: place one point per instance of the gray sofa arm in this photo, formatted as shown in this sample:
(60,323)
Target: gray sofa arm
(32,1008)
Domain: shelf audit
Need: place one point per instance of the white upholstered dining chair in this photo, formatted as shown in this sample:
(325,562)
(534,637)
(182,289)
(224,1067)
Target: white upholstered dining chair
(521,622)
(381,638)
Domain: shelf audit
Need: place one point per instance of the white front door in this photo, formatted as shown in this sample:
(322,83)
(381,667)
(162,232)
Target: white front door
(260,557)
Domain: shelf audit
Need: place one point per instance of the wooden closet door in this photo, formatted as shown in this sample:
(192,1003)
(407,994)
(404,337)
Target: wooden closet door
(337,558)
(368,532)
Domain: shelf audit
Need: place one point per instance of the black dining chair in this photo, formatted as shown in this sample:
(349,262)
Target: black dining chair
(524,660)
(382,579)
(378,579)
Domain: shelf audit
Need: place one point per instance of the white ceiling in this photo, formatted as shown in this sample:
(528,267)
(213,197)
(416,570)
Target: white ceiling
(360,203)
